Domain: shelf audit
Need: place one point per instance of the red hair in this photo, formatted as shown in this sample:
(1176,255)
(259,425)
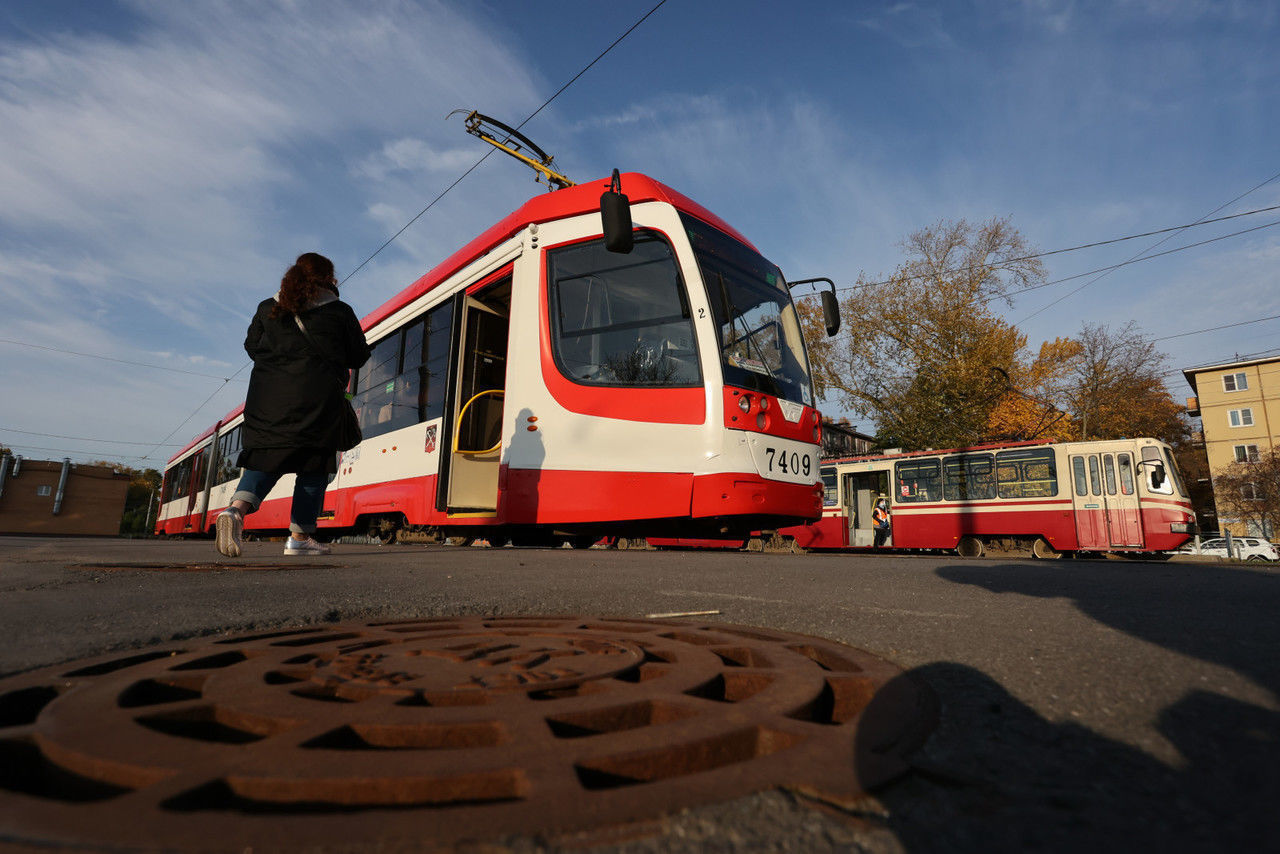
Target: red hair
(311,272)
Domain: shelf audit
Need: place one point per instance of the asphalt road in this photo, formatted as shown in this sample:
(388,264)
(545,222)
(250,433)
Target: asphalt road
(1106,705)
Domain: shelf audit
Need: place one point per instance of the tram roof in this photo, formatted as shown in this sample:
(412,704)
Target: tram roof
(546,207)
(968,449)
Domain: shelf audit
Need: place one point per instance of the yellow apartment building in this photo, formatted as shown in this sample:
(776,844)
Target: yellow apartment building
(1238,404)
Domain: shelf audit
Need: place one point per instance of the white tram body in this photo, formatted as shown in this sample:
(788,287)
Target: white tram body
(536,381)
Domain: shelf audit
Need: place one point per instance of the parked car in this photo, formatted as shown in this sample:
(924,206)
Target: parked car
(1246,548)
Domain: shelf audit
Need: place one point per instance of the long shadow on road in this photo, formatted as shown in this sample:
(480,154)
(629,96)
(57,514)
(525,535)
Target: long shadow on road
(998,776)
(1218,614)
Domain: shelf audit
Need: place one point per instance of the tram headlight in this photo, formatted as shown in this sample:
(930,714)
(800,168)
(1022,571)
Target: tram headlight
(761,421)
(744,403)
(764,404)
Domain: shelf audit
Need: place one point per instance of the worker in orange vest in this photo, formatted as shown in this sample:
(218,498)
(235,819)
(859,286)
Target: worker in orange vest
(880,519)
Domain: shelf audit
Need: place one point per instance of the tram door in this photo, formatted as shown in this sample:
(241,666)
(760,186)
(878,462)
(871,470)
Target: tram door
(1106,501)
(1124,519)
(477,406)
(198,499)
(861,489)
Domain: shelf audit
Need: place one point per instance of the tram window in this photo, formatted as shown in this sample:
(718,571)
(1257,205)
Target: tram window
(1126,474)
(435,368)
(1095,478)
(1109,471)
(830,490)
(403,382)
(180,480)
(759,337)
(1077,470)
(919,480)
(229,446)
(969,478)
(1152,463)
(1027,473)
(1174,474)
(622,320)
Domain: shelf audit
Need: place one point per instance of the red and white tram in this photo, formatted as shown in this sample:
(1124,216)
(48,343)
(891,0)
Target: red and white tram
(545,381)
(1123,495)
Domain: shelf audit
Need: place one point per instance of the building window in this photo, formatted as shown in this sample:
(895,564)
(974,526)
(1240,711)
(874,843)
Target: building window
(1235,382)
(44,490)
(1249,492)
(1246,453)
(1241,417)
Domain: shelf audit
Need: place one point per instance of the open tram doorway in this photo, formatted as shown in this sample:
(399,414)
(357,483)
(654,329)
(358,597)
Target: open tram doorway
(861,489)
(475,410)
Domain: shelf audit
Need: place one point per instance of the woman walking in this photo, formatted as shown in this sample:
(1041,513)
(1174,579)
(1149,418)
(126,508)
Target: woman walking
(304,342)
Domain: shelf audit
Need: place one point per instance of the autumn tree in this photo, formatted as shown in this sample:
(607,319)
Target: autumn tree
(1249,492)
(1117,387)
(1035,404)
(925,354)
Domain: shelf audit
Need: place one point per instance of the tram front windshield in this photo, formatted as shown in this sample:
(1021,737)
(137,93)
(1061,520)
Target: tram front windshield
(761,346)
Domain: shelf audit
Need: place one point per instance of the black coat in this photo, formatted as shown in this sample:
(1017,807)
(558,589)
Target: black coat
(295,394)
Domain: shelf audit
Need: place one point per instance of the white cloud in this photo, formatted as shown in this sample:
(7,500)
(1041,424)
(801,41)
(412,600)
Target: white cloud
(156,183)
(413,155)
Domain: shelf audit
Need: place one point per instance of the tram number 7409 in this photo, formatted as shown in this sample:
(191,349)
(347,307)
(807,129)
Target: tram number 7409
(794,464)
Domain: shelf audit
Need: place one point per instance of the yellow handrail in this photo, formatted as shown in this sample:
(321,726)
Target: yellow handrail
(497,391)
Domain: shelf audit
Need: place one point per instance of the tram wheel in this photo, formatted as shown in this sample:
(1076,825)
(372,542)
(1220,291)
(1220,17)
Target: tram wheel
(970,546)
(1041,550)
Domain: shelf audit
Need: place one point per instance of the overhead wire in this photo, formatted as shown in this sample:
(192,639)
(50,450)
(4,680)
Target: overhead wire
(526,120)
(390,240)
(1148,249)
(12,445)
(100,357)
(4,430)
(1020,291)
(1007,261)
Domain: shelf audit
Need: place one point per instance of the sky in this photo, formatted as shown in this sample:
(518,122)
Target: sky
(162,164)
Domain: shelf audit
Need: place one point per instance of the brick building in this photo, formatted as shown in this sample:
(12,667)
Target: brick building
(1238,404)
(60,498)
(840,439)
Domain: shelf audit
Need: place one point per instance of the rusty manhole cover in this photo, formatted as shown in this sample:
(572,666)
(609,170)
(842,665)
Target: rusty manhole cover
(439,731)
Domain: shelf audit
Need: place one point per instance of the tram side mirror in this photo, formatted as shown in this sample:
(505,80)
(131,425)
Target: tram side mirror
(830,313)
(615,217)
(1157,476)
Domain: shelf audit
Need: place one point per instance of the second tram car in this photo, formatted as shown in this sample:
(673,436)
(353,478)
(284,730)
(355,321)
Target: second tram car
(1124,496)
(541,382)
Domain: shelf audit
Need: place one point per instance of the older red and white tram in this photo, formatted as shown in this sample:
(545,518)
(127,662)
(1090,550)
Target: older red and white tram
(542,381)
(1123,496)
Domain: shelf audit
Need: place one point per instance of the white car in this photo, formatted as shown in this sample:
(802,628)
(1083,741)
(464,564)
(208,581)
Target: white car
(1246,548)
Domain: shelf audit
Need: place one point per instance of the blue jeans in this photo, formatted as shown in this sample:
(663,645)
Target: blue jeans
(308,496)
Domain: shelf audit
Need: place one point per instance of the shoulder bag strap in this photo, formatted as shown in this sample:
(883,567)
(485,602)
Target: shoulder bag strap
(315,348)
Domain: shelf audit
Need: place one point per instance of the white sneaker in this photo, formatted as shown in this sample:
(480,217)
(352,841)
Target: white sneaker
(229,526)
(305,547)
